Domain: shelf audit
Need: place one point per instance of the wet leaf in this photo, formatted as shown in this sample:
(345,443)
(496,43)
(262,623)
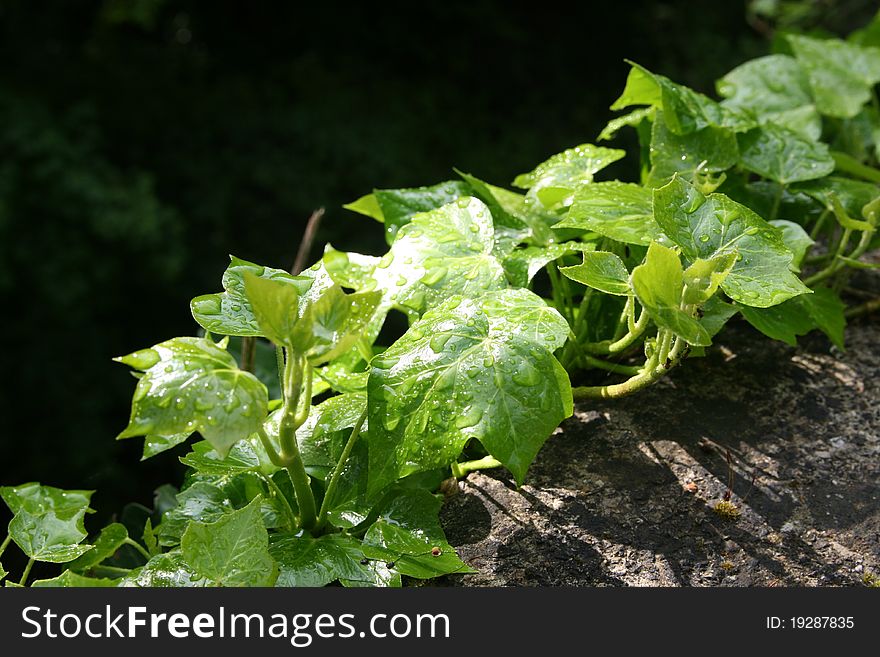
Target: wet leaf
(468,369)
(232,551)
(195,385)
(707,226)
(603,271)
(621,211)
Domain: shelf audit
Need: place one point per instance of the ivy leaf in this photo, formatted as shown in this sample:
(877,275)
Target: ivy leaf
(468,369)
(554,181)
(306,561)
(852,195)
(821,310)
(407,533)
(48,522)
(322,437)
(776,90)
(334,323)
(603,271)
(633,118)
(245,456)
(659,286)
(511,210)
(71,580)
(621,211)
(395,207)
(111,538)
(233,551)
(230,312)
(840,74)
(163,571)
(827,312)
(193,384)
(716,313)
(684,110)
(202,501)
(782,322)
(522,264)
(275,306)
(783,155)
(711,150)
(437,254)
(703,278)
(706,226)
(155,444)
(796,239)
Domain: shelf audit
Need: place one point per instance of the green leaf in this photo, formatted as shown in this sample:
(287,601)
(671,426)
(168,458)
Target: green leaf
(522,264)
(659,286)
(703,278)
(367,205)
(603,271)
(69,579)
(783,155)
(230,312)
(827,312)
(245,456)
(333,324)
(853,195)
(621,211)
(840,74)
(48,536)
(306,561)
(48,522)
(633,118)
(554,181)
(195,385)
(775,89)
(395,207)
(706,226)
(782,322)
(407,533)
(707,150)
(439,253)
(165,570)
(202,501)
(233,551)
(323,435)
(715,315)
(684,110)
(275,306)
(468,369)
(155,444)
(111,538)
(527,220)
(796,239)
(3,573)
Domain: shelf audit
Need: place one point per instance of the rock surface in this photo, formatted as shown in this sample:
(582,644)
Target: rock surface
(624,492)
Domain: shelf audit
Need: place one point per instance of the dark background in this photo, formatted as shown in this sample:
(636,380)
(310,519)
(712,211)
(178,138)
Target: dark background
(141,141)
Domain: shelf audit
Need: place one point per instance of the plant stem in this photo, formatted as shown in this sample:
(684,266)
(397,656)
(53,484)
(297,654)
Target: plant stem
(460,470)
(288,511)
(290,421)
(848,164)
(617,368)
(653,369)
(248,353)
(279,362)
(27,571)
(817,227)
(556,289)
(836,265)
(337,471)
(863,309)
(777,201)
(137,546)
(5,544)
(113,571)
(624,343)
(305,244)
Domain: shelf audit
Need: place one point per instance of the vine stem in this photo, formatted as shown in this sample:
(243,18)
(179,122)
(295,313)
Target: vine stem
(291,419)
(27,572)
(777,201)
(5,544)
(137,546)
(863,309)
(623,343)
(654,368)
(337,471)
(460,470)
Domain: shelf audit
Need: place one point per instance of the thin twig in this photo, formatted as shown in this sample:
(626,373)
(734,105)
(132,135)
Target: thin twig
(305,246)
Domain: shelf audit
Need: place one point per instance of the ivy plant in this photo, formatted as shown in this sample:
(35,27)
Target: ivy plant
(321,465)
